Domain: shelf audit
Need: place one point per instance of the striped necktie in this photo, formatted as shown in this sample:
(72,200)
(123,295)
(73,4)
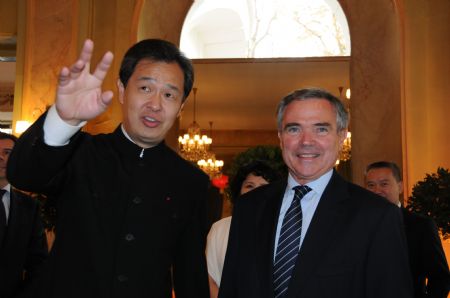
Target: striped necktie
(288,243)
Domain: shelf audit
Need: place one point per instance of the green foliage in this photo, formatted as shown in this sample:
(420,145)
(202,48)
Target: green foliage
(269,154)
(431,197)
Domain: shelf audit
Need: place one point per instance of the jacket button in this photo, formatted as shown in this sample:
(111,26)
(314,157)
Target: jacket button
(122,278)
(137,200)
(129,237)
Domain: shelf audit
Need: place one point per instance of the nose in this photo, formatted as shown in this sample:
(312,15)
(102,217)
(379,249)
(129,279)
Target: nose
(378,190)
(306,138)
(154,102)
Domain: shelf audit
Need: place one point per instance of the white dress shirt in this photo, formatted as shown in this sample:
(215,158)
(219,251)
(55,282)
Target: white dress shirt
(309,203)
(7,200)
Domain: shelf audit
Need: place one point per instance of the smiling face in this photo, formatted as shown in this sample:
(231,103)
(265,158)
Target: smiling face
(309,138)
(151,101)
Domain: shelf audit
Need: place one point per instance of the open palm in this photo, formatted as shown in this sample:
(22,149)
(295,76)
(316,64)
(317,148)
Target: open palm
(79,96)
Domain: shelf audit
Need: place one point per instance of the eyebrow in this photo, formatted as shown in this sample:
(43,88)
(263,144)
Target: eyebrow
(153,80)
(322,124)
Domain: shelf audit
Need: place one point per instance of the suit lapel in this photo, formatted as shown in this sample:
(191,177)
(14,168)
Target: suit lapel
(322,231)
(266,235)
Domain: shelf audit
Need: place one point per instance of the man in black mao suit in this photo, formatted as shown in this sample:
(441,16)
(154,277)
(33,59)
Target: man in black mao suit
(131,219)
(340,239)
(23,246)
(429,268)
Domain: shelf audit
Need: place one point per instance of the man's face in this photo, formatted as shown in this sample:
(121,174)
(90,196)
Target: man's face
(6,146)
(151,101)
(382,182)
(309,138)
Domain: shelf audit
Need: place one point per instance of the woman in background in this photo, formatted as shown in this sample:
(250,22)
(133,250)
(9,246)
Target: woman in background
(248,177)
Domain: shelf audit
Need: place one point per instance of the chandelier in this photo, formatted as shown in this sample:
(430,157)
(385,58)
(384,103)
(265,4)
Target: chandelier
(195,147)
(345,153)
(211,166)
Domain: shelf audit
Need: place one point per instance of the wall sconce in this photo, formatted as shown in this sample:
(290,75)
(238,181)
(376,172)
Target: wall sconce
(21,126)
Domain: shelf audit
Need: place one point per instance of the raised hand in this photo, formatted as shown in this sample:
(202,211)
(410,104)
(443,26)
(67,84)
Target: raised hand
(79,96)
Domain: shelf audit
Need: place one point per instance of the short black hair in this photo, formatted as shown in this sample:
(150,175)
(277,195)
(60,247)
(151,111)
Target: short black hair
(157,50)
(258,168)
(7,136)
(386,164)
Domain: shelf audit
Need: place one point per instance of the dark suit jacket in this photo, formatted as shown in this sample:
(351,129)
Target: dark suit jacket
(426,256)
(24,247)
(130,222)
(354,248)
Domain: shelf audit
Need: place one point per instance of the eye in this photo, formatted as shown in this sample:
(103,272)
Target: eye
(370,185)
(322,130)
(146,89)
(292,130)
(169,95)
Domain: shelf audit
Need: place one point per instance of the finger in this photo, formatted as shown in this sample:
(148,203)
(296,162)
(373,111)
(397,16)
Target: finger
(64,76)
(86,51)
(83,60)
(77,68)
(102,67)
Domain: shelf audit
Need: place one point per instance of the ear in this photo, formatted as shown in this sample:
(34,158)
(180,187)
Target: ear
(121,89)
(280,139)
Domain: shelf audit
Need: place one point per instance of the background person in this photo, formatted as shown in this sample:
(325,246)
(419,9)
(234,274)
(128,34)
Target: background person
(23,246)
(429,268)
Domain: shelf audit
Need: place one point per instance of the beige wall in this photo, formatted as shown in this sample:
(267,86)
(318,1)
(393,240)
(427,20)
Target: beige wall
(375,83)
(427,87)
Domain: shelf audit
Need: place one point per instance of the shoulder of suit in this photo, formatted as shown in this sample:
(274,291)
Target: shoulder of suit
(366,197)
(183,166)
(269,191)
(24,197)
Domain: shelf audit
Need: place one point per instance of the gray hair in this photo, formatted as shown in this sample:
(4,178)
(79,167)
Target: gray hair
(314,93)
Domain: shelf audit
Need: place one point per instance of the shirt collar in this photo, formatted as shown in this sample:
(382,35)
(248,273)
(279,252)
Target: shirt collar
(317,185)
(7,187)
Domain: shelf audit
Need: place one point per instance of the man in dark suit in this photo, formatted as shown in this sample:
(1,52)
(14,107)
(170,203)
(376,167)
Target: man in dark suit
(429,268)
(131,219)
(23,246)
(314,235)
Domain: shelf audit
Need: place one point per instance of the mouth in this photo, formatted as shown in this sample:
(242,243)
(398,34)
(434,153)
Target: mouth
(308,155)
(150,121)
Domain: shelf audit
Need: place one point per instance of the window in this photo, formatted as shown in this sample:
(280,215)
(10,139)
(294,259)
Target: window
(265,29)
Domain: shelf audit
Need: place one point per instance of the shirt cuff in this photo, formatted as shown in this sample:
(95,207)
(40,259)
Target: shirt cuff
(57,132)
